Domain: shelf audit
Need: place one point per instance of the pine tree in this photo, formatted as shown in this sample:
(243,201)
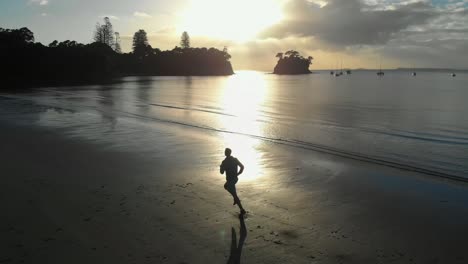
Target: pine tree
(141,47)
(117,48)
(108,33)
(185,40)
(105,33)
(140,38)
(98,37)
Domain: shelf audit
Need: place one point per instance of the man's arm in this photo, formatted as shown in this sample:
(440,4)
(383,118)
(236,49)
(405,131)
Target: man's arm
(241,167)
(221,168)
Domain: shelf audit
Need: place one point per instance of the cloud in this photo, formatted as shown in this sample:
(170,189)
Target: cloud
(404,33)
(141,14)
(39,2)
(44,14)
(349,22)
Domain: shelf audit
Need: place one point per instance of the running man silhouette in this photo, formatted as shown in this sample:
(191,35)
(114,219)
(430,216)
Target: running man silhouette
(229,165)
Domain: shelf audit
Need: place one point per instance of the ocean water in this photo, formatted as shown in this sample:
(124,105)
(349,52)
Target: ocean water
(413,123)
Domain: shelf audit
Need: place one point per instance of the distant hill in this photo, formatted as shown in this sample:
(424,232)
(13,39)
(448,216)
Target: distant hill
(411,70)
(432,69)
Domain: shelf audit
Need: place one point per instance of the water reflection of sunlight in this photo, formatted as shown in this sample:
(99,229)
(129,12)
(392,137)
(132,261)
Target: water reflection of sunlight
(242,97)
(245,149)
(249,87)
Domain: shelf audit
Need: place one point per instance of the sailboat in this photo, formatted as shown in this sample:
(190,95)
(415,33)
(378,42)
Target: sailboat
(341,71)
(337,73)
(414,72)
(380,72)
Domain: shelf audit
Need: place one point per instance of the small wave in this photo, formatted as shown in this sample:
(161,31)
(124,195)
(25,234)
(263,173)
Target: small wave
(192,109)
(284,141)
(321,148)
(284,118)
(421,137)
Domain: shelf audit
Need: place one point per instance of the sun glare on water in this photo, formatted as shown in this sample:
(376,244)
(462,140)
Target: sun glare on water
(242,96)
(235,20)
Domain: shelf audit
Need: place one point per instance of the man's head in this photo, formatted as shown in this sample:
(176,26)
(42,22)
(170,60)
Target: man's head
(227,152)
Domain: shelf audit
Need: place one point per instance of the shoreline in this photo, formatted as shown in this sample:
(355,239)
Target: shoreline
(76,83)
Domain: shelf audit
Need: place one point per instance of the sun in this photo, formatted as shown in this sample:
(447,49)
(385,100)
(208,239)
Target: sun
(234,20)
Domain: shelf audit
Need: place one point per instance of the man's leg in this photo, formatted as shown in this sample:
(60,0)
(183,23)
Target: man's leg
(231,188)
(236,198)
(238,201)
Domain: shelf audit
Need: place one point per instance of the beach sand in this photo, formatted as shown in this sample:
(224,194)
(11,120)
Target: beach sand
(68,199)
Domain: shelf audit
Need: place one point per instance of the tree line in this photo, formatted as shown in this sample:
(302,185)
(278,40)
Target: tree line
(146,60)
(31,63)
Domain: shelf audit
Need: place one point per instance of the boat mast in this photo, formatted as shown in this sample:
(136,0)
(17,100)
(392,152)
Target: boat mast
(380,63)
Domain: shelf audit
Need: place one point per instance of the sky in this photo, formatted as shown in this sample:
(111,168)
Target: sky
(352,33)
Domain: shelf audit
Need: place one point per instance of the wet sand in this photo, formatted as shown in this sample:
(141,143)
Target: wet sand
(72,200)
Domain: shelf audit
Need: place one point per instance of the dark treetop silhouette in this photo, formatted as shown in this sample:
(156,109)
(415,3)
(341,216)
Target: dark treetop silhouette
(292,62)
(185,40)
(230,166)
(27,63)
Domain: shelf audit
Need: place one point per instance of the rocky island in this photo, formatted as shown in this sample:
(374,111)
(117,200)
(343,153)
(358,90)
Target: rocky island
(292,62)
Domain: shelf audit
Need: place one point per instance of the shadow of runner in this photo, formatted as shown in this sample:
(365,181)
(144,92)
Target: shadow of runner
(236,249)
